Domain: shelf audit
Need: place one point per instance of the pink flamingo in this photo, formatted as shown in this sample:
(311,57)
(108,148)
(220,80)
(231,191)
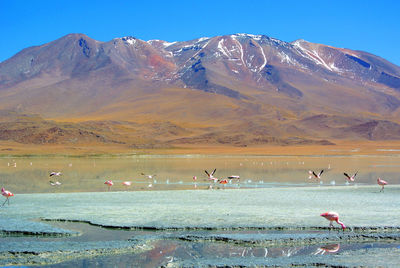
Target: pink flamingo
(109,184)
(225,181)
(150,176)
(382,183)
(211,175)
(195,180)
(234,177)
(127,183)
(350,178)
(317,176)
(331,217)
(6,194)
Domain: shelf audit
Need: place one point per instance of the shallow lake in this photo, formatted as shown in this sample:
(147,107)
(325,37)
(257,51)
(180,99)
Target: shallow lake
(31,175)
(269,217)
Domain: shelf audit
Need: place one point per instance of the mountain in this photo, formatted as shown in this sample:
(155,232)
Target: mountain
(239,90)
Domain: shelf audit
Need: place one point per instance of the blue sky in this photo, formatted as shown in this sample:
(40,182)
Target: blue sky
(372,26)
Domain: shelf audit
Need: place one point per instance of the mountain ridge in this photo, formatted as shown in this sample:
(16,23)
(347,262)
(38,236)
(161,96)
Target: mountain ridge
(217,84)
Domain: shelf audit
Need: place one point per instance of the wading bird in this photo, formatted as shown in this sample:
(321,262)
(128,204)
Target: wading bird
(148,176)
(382,183)
(331,217)
(234,177)
(127,183)
(55,183)
(312,173)
(223,182)
(350,179)
(109,184)
(7,195)
(55,174)
(211,175)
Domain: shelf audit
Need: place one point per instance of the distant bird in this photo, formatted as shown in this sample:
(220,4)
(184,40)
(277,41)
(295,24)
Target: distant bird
(127,183)
(331,217)
(7,195)
(109,184)
(55,174)
(312,173)
(194,178)
(333,248)
(55,183)
(382,183)
(350,178)
(234,177)
(148,176)
(223,182)
(211,175)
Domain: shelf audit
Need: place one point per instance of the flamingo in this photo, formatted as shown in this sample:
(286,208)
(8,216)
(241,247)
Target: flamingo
(127,183)
(331,217)
(350,178)
(382,183)
(194,178)
(224,181)
(7,195)
(55,174)
(312,173)
(109,184)
(211,176)
(55,183)
(148,176)
(234,177)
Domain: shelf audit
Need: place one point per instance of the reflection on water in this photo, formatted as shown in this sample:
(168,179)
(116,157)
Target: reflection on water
(31,175)
(174,253)
(333,248)
(165,251)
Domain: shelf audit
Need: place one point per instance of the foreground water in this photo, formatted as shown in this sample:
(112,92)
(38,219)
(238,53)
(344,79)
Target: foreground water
(270,218)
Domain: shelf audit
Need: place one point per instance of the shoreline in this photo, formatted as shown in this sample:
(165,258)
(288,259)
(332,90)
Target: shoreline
(342,148)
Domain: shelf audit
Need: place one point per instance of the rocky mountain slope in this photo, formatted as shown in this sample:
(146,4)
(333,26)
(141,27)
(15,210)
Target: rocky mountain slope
(236,89)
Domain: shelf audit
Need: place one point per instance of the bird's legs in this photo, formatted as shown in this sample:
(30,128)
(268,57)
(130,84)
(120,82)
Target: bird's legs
(5,202)
(330,226)
(382,190)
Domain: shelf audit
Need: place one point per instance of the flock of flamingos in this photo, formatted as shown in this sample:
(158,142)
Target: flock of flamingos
(330,216)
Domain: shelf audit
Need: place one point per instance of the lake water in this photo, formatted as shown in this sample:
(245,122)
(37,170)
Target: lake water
(270,217)
(31,175)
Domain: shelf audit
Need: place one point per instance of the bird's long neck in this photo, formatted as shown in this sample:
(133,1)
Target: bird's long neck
(342,224)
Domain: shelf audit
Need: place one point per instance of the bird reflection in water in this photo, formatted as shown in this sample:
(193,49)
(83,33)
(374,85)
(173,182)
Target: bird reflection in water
(332,248)
(265,252)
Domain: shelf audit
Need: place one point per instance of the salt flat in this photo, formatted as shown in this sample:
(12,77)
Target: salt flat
(230,208)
